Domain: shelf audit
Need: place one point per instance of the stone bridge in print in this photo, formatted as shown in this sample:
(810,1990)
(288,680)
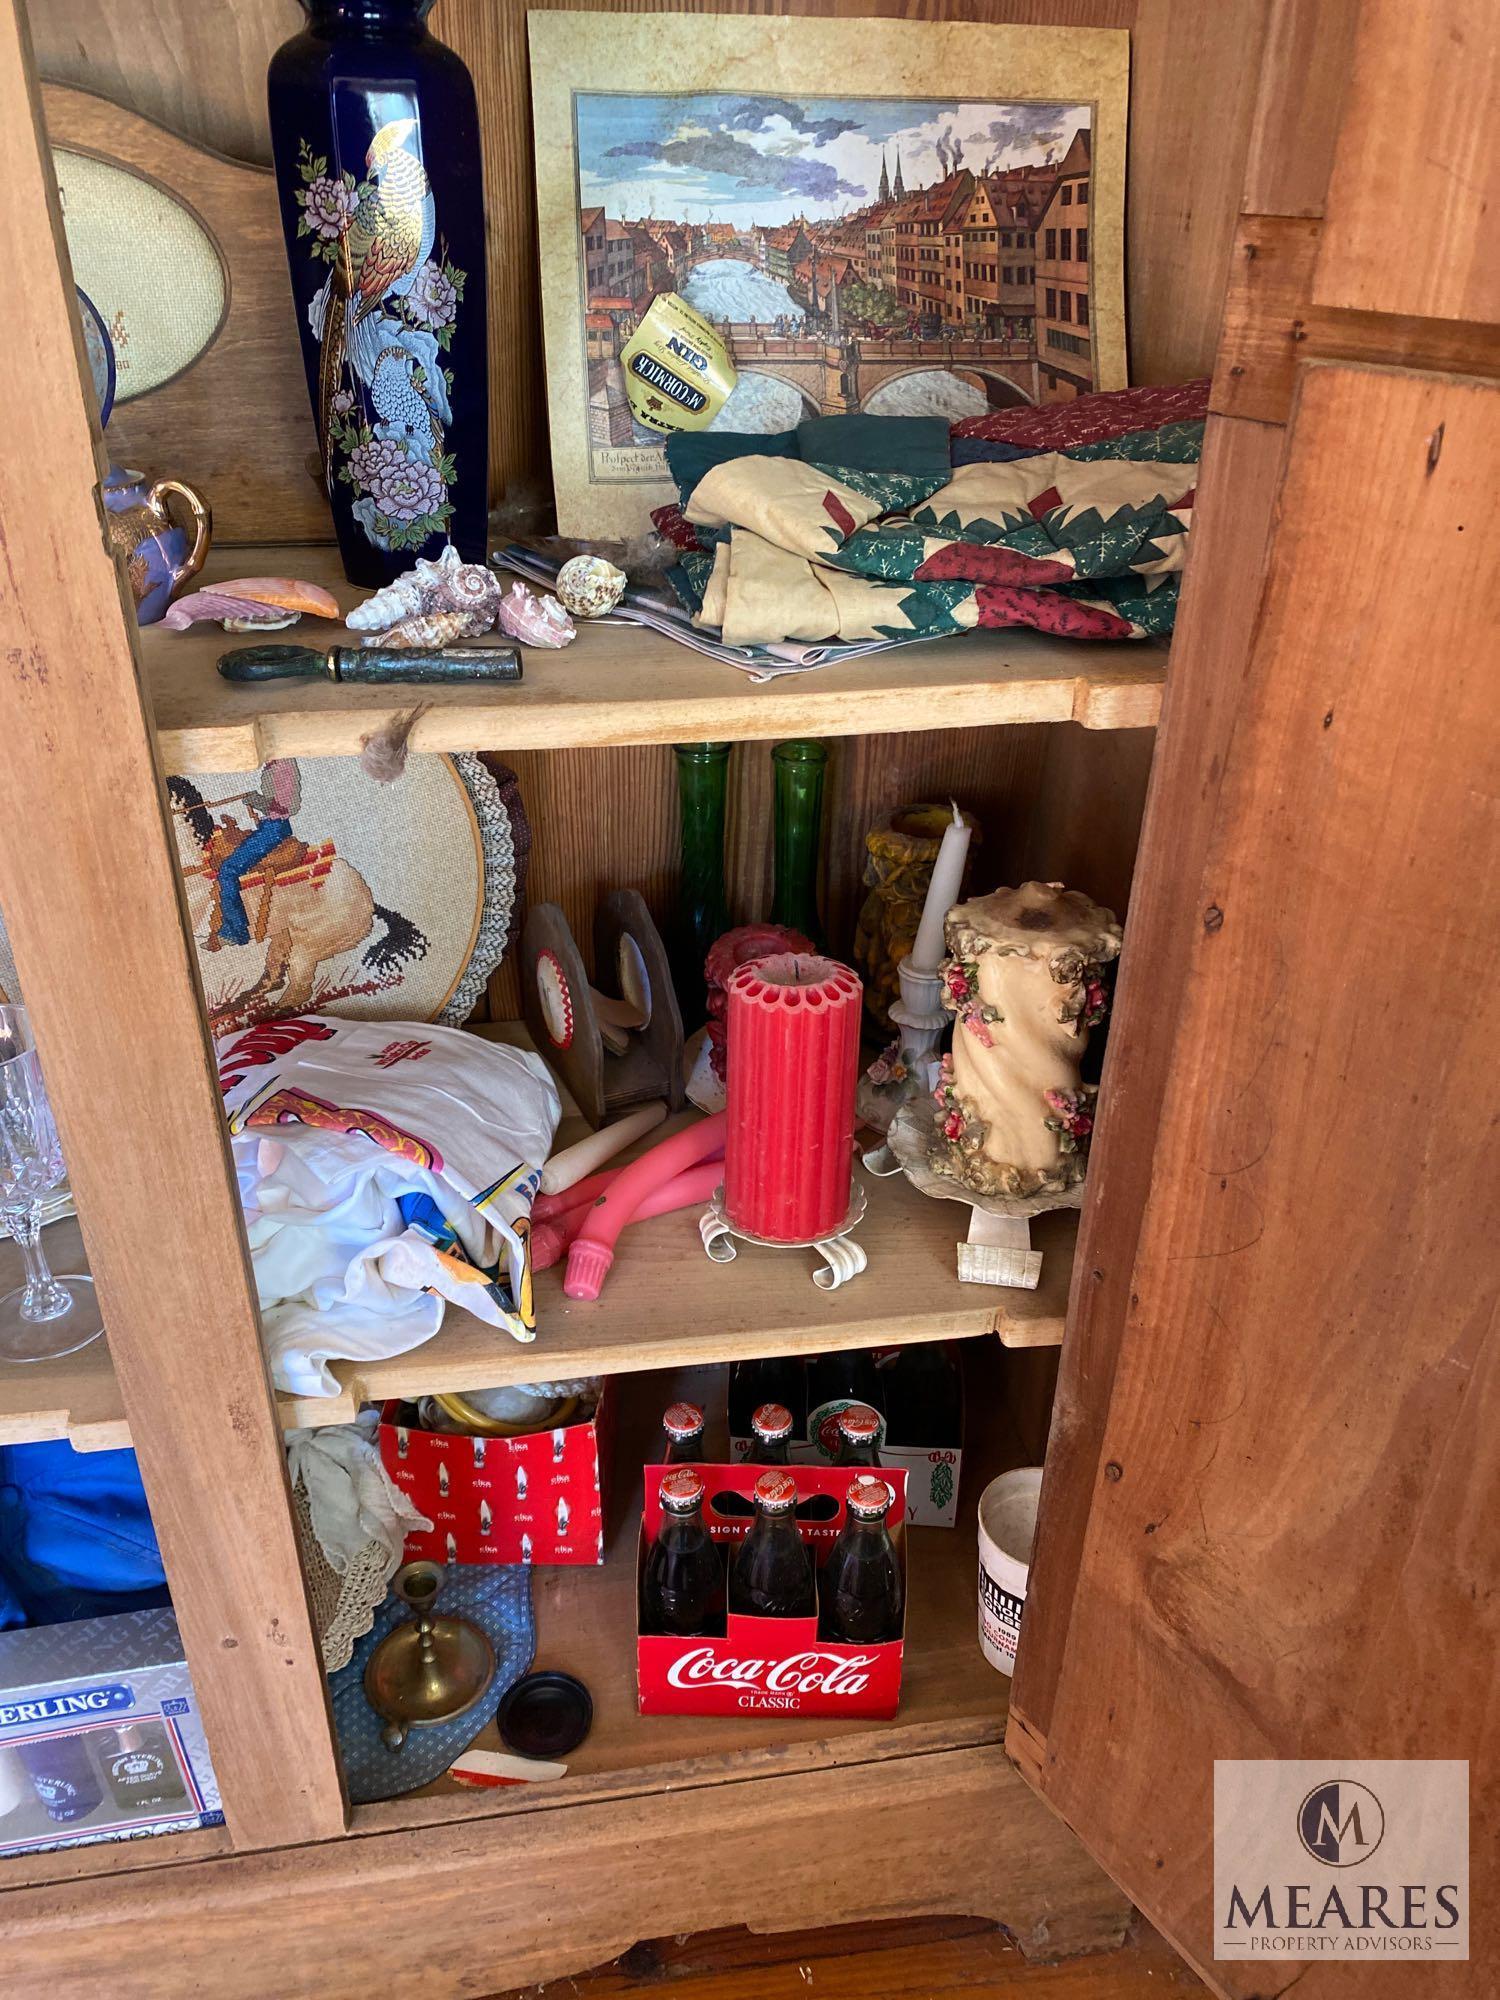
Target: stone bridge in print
(835,376)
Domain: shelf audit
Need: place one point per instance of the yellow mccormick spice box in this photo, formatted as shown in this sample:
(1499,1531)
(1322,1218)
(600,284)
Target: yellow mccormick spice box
(678,373)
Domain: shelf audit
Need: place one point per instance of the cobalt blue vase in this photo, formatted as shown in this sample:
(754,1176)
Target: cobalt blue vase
(375,134)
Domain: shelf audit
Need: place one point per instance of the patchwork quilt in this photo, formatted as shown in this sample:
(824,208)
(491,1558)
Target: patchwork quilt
(1072,518)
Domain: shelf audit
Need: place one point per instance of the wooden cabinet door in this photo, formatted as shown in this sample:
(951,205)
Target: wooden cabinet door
(1268,1524)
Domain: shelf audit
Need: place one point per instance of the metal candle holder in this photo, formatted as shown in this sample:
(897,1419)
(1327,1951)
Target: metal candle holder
(842,1257)
(430,1669)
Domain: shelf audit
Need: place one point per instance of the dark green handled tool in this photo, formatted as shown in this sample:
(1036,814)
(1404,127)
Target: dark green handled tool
(380,665)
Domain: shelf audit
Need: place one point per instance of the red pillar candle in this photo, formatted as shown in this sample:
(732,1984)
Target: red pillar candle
(793,1065)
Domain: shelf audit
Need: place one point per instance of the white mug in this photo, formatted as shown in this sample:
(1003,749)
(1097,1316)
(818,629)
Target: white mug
(1007,1529)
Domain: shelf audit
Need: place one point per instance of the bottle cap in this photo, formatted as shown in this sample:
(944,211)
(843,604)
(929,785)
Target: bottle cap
(859,1423)
(772,1421)
(869,1498)
(776,1489)
(681,1489)
(682,1420)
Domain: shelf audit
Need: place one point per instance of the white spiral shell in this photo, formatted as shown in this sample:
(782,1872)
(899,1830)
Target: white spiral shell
(447,585)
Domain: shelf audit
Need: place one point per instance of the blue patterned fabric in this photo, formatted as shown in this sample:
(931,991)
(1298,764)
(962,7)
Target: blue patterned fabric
(496,1598)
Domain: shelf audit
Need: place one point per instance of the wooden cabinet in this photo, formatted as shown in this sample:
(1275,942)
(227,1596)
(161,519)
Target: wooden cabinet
(1272,1461)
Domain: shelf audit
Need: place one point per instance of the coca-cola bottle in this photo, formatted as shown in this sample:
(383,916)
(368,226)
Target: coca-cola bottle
(834,1381)
(772,1425)
(923,1398)
(779,1378)
(772,1572)
(859,1435)
(684,1580)
(860,1590)
(682,1424)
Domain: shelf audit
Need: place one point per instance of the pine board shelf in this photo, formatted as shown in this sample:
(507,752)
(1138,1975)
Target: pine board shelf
(664,1303)
(619,685)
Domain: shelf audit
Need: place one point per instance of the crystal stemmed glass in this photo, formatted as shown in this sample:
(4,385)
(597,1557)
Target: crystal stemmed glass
(46,1316)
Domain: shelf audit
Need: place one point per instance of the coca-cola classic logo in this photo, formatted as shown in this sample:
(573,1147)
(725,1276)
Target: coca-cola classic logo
(799,1673)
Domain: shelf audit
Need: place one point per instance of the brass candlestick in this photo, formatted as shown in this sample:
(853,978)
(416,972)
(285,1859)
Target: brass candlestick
(429,1669)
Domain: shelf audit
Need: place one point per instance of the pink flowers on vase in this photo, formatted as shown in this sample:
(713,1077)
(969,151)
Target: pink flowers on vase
(402,487)
(433,297)
(328,204)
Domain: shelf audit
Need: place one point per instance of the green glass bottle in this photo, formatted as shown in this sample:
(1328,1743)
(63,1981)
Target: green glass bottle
(799,768)
(703,914)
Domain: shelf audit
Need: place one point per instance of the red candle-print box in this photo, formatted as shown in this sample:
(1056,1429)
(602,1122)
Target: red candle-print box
(537,1499)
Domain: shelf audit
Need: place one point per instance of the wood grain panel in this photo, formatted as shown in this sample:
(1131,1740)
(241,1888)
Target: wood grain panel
(199,70)
(1416,175)
(1221,596)
(1308,48)
(911,1960)
(1085,824)
(1288,1559)
(993,772)
(237,424)
(93,904)
(957,1829)
(1192,95)
(1272,328)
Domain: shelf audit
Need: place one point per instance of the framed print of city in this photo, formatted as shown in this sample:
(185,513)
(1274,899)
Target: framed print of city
(890,217)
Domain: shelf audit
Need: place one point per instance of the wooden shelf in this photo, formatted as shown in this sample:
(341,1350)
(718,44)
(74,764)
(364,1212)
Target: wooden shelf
(74,1397)
(664,1302)
(619,685)
(950,1696)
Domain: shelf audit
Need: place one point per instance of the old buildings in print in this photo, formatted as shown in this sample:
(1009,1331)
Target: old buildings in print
(1064,349)
(981,273)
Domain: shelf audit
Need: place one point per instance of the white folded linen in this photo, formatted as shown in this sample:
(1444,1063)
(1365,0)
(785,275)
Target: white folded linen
(383,1168)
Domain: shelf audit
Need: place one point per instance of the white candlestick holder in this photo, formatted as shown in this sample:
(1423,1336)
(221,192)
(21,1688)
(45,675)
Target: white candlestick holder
(920,1017)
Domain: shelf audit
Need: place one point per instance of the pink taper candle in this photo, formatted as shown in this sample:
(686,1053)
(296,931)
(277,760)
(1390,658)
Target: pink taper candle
(793,1064)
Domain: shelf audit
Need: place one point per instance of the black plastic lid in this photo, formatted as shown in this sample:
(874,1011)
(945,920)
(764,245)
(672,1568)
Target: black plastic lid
(545,1715)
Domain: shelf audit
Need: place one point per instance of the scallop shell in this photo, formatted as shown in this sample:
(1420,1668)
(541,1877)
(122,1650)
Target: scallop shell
(219,602)
(431,630)
(288,593)
(535,621)
(589,586)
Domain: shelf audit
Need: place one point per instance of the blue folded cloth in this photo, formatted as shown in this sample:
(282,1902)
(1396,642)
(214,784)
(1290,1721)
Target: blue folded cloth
(76,1539)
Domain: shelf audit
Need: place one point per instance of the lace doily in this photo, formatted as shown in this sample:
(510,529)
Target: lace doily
(343,1607)
(501,886)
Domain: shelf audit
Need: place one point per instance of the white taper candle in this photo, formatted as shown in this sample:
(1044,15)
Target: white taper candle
(943,892)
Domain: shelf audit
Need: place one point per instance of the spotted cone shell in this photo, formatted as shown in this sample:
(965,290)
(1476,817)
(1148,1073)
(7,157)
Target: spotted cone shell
(589,586)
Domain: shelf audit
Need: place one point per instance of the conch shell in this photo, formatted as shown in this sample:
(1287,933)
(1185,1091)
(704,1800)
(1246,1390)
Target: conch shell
(252,604)
(589,586)
(449,584)
(535,621)
(431,630)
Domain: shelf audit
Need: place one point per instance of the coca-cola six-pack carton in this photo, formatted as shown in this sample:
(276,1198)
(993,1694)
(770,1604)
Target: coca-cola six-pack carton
(537,1498)
(767,1666)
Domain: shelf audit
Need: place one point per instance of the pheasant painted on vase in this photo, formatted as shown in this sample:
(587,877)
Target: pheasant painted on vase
(385,236)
